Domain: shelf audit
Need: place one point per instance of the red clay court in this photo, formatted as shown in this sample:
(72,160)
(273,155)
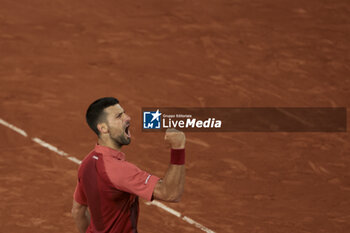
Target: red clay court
(58,56)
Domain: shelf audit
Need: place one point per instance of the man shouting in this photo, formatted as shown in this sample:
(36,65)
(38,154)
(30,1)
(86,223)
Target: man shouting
(108,187)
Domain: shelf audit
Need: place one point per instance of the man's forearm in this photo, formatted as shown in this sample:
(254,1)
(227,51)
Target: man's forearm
(174,181)
(171,187)
(82,221)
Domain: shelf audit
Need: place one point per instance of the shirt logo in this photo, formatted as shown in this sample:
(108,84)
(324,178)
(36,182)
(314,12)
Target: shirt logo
(149,176)
(95,157)
(151,120)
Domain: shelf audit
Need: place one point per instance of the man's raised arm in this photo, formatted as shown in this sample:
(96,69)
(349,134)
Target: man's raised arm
(171,187)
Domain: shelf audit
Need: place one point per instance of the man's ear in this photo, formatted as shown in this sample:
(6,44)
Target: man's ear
(102,127)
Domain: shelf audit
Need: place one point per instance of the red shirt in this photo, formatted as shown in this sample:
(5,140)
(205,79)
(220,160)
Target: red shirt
(110,187)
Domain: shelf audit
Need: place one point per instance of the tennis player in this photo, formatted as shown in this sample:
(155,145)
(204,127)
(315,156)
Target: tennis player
(108,187)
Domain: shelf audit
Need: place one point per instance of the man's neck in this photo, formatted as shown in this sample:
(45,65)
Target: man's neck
(109,143)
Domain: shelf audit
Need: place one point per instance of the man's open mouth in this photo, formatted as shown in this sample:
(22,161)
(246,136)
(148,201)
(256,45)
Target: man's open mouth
(127,131)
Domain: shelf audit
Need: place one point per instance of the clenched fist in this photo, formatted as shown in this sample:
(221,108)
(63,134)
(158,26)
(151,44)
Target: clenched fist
(175,138)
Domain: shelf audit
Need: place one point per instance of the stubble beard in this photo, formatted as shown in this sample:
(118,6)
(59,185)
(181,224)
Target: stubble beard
(121,140)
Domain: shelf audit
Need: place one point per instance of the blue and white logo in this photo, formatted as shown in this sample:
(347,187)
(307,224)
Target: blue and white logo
(151,120)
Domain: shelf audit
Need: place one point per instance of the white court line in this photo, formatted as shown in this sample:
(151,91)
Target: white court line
(74,160)
(77,161)
(197,224)
(164,207)
(49,146)
(179,215)
(14,128)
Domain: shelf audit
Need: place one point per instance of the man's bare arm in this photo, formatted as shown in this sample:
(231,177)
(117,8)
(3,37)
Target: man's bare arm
(171,187)
(81,216)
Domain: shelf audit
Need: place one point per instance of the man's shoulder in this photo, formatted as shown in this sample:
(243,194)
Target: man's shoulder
(91,155)
(104,161)
(87,163)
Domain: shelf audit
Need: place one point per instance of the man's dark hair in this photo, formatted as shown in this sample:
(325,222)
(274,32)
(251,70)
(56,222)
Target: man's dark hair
(94,114)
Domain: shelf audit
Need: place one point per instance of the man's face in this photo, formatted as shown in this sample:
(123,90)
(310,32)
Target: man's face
(118,123)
